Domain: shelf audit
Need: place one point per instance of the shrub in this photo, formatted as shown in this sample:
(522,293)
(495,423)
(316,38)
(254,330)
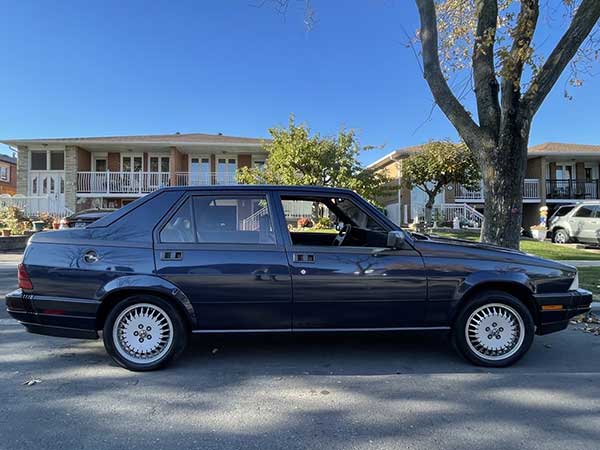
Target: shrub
(323,222)
(12,218)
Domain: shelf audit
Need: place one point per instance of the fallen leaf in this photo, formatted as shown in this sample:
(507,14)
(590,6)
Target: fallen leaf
(215,350)
(32,382)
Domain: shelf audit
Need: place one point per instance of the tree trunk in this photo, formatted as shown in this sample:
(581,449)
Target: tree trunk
(429,209)
(503,171)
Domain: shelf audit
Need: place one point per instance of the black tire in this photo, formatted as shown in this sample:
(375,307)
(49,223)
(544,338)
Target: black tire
(561,236)
(167,345)
(510,312)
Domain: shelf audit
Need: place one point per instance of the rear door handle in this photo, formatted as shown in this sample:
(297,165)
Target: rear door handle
(304,257)
(171,255)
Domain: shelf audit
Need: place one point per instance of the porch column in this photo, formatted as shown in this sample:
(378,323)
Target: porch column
(174,166)
(22,170)
(71,166)
(542,178)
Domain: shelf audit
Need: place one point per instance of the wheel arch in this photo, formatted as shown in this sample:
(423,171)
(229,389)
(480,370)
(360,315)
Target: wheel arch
(124,287)
(515,288)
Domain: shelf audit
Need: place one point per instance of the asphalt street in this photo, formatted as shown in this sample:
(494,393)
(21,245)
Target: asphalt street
(405,391)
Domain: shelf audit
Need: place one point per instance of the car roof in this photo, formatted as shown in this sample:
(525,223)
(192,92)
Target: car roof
(259,187)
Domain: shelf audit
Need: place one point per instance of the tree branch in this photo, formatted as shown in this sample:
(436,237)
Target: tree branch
(512,69)
(583,22)
(432,72)
(486,85)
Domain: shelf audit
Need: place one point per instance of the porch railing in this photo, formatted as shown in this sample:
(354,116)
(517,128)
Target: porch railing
(145,182)
(531,191)
(572,189)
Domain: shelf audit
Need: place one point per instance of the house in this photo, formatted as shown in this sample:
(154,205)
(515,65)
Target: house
(8,175)
(79,173)
(557,173)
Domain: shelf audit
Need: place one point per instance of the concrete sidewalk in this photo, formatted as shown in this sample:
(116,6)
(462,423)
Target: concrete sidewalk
(579,263)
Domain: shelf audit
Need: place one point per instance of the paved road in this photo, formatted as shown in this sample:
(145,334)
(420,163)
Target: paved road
(406,391)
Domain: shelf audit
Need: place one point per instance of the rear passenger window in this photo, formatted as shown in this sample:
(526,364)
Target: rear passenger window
(586,211)
(179,228)
(233,220)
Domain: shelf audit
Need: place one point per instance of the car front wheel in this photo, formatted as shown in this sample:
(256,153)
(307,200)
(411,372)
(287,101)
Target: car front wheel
(560,237)
(144,333)
(494,330)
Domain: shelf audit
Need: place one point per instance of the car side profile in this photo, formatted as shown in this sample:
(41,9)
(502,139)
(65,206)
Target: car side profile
(263,259)
(576,223)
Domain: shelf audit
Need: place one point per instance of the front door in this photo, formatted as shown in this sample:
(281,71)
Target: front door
(200,171)
(349,281)
(226,256)
(130,177)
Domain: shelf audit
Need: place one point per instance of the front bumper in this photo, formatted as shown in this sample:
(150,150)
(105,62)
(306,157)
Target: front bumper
(54,316)
(573,303)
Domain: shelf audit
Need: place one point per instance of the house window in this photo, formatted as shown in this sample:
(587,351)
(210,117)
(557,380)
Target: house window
(4,173)
(101,165)
(259,164)
(588,174)
(57,160)
(38,161)
(159,164)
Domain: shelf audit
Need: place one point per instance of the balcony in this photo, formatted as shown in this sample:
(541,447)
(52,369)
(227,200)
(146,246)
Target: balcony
(572,189)
(531,192)
(133,184)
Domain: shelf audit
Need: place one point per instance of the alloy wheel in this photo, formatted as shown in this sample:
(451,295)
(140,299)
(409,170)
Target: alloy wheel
(143,333)
(495,331)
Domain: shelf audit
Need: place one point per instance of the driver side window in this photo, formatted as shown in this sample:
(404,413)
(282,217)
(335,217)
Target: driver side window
(317,221)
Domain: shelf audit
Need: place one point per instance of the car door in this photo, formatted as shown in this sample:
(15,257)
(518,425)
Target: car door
(349,286)
(585,223)
(226,255)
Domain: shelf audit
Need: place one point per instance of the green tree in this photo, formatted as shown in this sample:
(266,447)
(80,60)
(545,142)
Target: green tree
(298,157)
(435,166)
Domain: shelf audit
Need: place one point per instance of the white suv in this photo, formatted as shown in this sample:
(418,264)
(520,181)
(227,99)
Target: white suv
(577,223)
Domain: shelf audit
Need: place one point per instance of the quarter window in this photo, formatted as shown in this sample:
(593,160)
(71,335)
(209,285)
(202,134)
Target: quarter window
(180,227)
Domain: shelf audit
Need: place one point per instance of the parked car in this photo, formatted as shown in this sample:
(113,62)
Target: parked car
(84,218)
(576,223)
(207,260)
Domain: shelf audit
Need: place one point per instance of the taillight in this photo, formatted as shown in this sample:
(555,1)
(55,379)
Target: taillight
(23,277)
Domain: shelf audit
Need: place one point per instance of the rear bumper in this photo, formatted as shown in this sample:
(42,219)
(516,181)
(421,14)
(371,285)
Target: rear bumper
(54,316)
(573,303)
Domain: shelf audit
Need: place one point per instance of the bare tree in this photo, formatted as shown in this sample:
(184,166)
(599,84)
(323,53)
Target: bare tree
(505,104)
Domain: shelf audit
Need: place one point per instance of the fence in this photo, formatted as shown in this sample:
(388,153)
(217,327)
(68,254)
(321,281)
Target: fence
(36,205)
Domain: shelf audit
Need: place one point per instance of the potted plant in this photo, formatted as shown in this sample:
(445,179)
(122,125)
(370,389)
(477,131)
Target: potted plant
(538,232)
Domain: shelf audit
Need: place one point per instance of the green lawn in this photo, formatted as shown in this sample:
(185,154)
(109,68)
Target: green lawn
(544,249)
(589,278)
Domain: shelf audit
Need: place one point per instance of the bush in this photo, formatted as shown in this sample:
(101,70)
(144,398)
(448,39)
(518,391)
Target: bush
(304,222)
(323,222)
(13,219)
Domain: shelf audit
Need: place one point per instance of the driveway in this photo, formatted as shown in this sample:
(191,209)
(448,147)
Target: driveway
(305,392)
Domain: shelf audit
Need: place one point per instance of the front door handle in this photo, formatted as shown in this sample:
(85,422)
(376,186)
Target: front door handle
(171,255)
(304,257)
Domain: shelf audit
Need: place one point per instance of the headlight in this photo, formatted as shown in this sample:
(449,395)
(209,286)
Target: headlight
(575,283)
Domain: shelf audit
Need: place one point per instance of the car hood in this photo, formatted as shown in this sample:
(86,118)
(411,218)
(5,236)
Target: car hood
(442,246)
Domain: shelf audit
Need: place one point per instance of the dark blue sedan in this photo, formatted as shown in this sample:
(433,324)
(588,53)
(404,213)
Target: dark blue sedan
(280,259)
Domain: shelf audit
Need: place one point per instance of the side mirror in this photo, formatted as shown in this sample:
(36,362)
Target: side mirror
(395,239)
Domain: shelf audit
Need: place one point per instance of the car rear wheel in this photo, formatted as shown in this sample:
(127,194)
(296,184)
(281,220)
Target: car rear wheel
(144,333)
(494,330)
(561,237)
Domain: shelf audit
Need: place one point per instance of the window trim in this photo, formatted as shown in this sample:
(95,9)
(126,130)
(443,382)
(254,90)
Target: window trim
(225,246)
(7,169)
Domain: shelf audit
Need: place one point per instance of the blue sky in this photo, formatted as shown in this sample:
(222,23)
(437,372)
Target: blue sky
(138,67)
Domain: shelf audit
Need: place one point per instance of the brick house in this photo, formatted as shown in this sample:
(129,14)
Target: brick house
(79,173)
(557,173)
(8,175)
